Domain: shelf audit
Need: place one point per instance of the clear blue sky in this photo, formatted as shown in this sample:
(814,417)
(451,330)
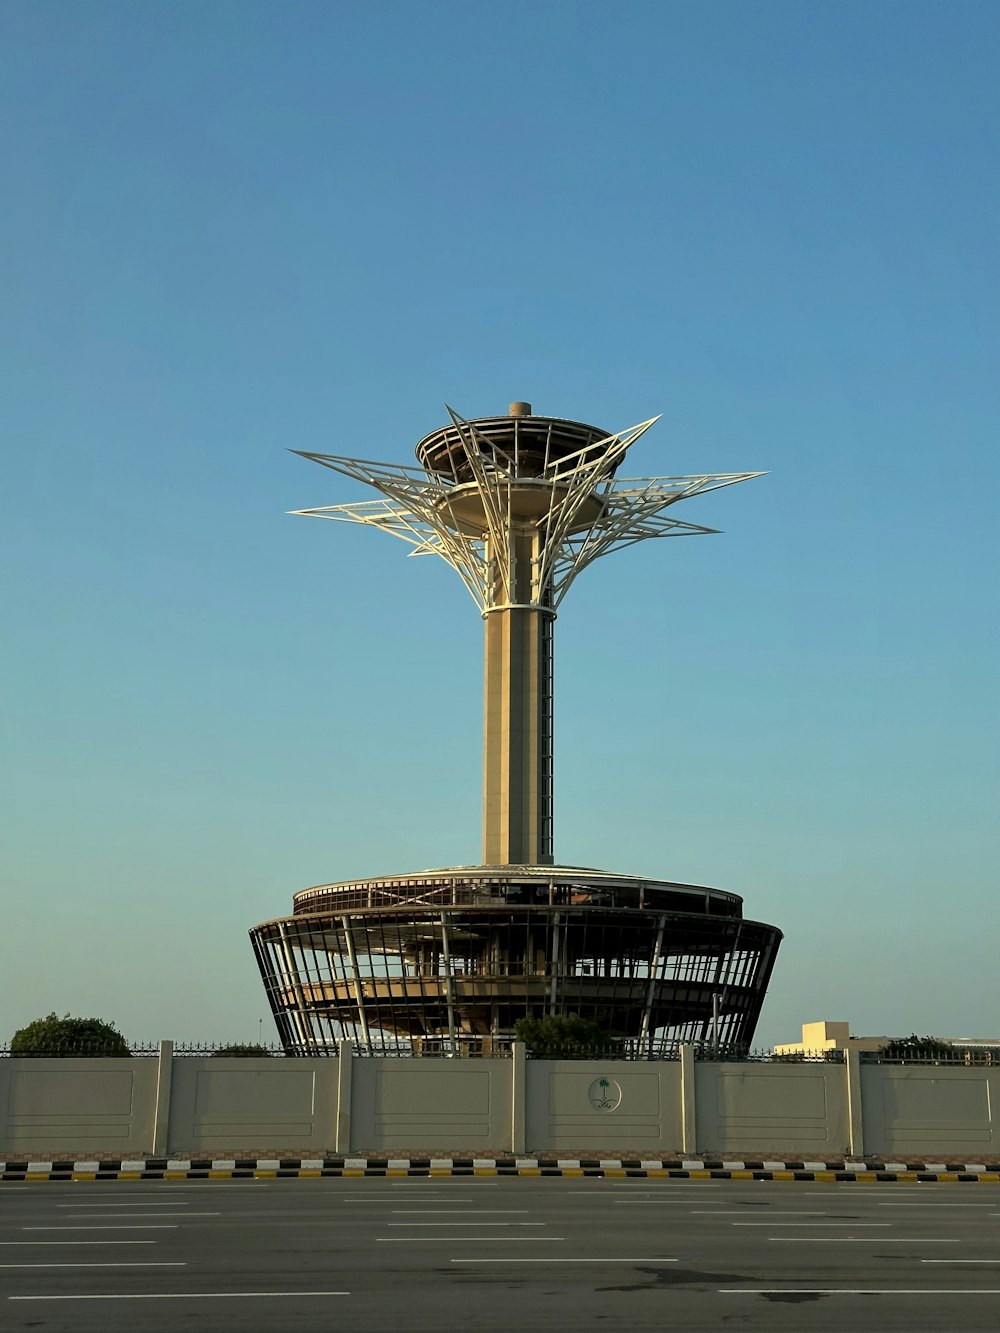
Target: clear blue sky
(233,228)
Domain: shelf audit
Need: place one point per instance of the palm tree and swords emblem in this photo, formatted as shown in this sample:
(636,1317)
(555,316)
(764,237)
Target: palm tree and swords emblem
(605,1094)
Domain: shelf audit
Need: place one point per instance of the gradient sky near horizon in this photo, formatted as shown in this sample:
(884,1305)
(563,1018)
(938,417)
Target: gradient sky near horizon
(231,229)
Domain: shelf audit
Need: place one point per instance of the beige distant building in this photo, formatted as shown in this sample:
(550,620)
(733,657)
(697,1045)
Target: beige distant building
(826,1036)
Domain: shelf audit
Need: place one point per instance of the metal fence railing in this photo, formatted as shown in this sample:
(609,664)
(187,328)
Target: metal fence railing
(140,1050)
(449,1048)
(90,1049)
(958,1055)
(822,1057)
(485,1047)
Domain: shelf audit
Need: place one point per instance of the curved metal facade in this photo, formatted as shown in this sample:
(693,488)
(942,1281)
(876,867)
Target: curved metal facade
(456,957)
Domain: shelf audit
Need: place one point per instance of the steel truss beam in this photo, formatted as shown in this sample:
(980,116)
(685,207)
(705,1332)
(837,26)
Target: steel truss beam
(585,511)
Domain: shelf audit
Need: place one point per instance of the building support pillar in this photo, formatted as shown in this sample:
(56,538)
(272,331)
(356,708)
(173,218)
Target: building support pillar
(345,1070)
(554,966)
(518,1095)
(855,1117)
(297,1017)
(359,997)
(689,1103)
(161,1111)
(448,993)
(646,1030)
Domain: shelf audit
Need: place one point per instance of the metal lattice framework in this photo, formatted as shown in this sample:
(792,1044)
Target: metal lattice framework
(444,958)
(518,506)
(584,512)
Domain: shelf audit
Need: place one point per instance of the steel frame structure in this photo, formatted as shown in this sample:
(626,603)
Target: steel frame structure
(518,506)
(448,960)
(584,511)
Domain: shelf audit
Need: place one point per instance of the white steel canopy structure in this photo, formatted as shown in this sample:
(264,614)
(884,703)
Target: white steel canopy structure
(518,506)
(471,510)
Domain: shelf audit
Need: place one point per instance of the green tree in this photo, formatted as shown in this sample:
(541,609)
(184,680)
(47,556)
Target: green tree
(562,1037)
(53,1035)
(917,1048)
(236,1048)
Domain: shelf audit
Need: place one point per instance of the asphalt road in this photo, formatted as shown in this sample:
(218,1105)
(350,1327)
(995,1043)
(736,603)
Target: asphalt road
(499,1254)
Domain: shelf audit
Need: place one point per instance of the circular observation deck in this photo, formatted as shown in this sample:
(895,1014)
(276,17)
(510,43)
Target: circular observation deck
(488,886)
(464,953)
(518,452)
(523,444)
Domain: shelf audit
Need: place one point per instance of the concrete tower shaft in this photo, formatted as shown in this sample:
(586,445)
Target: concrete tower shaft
(517,731)
(518,506)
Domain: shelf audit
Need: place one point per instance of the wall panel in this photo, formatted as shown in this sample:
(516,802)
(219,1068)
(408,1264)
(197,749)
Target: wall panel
(774,1109)
(930,1110)
(581,1104)
(434,1104)
(73,1105)
(252,1104)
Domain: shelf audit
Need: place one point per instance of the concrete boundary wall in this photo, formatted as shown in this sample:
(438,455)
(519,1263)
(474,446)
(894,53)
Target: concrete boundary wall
(186,1107)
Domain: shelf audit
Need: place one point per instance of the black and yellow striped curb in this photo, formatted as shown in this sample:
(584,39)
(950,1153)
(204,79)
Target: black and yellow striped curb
(262,1168)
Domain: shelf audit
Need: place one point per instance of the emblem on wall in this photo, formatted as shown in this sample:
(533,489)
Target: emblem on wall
(605,1094)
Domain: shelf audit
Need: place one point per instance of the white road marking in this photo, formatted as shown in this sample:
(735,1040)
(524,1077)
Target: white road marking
(881,1240)
(95,1217)
(77,1242)
(864,1190)
(929,1204)
(561,1260)
(742,1212)
(471,1240)
(857,1291)
(178,1295)
(853,1225)
(960,1261)
(115,1226)
(138,1204)
(152,1263)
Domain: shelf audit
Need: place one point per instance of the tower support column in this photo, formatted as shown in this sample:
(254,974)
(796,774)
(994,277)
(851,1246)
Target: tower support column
(517,746)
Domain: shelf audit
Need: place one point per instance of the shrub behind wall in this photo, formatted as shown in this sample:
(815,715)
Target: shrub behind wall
(53,1035)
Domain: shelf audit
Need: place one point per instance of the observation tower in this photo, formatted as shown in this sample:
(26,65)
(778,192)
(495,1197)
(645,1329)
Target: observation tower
(518,506)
